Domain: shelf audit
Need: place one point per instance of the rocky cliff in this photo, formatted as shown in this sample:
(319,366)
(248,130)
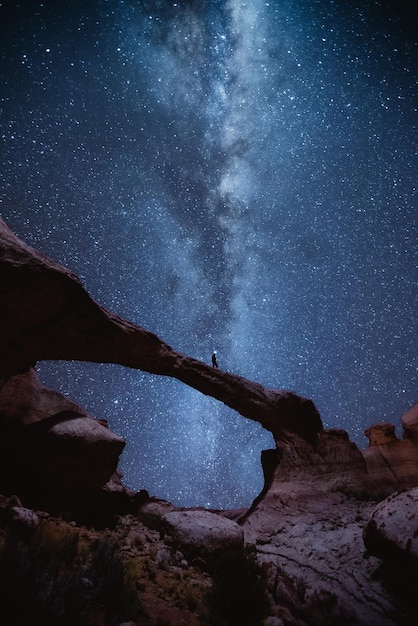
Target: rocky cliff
(324,550)
(310,525)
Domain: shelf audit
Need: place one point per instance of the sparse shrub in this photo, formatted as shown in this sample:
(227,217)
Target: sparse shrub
(46,579)
(135,540)
(149,569)
(113,581)
(238,596)
(178,575)
(40,576)
(190,600)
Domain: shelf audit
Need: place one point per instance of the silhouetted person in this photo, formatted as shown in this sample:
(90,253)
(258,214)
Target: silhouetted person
(214,361)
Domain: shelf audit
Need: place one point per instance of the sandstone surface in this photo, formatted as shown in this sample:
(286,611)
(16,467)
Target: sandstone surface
(410,423)
(202,533)
(45,313)
(392,531)
(308,525)
(392,463)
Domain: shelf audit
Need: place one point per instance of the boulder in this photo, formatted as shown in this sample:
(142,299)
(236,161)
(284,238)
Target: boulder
(410,424)
(24,518)
(83,454)
(19,398)
(50,448)
(201,533)
(24,400)
(392,531)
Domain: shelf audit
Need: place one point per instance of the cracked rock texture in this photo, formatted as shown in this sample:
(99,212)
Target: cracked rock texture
(392,531)
(308,527)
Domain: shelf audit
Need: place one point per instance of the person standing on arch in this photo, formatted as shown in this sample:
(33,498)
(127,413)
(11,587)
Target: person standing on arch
(214,361)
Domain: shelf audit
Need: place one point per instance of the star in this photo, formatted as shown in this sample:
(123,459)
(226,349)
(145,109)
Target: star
(231,176)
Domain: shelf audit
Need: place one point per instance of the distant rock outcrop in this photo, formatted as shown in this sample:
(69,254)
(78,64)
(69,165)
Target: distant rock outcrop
(392,463)
(410,424)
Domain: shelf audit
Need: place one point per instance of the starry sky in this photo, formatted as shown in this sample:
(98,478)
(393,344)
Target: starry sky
(233,176)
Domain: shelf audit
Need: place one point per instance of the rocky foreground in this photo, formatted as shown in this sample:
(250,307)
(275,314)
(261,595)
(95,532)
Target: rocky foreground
(331,539)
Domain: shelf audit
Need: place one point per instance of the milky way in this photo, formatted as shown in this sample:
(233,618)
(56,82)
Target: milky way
(233,176)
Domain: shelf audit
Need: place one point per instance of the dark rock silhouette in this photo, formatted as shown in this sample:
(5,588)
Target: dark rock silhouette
(51,449)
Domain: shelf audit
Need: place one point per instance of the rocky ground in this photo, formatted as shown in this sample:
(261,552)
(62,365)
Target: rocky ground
(303,562)
(141,571)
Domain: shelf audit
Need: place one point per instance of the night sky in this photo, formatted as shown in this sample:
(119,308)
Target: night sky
(233,176)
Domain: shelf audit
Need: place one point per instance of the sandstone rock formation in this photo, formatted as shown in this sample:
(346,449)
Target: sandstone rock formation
(202,533)
(50,448)
(392,531)
(410,423)
(46,314)
(320,491)
(392,463)
(308,526)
